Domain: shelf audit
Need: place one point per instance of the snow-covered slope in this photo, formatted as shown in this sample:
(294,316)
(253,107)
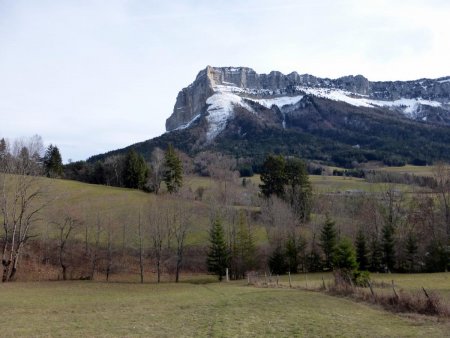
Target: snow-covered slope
(409,107)
(220,110)
(222,103)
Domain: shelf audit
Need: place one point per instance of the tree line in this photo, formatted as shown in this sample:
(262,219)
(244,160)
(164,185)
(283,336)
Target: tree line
(387,230)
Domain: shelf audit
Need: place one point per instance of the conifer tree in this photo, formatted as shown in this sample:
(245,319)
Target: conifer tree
(288,180)
(411,249)
(344,257)
(135,172)
(299,191)
(328,242)
(376,255)
(173,174)
(361,251)
(53,162)
(273,176)
(244,248)
(388,244)
(277,261)
(218,254)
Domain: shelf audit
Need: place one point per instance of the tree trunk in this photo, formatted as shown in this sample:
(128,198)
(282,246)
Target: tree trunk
(64,269)
(5,264)
(178,268)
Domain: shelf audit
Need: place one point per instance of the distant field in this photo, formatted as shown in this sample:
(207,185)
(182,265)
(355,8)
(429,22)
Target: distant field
(93,309)
(410,169)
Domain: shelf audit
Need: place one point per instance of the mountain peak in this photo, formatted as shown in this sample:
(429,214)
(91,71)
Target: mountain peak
(220,89)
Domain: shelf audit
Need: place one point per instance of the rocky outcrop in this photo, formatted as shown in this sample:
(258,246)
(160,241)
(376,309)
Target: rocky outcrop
(191,101)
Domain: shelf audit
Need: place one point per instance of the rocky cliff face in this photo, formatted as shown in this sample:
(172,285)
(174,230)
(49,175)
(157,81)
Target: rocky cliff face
(220,89)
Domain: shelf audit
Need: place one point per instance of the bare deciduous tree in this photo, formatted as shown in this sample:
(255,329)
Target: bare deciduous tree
(180,226)
(65,229)
(21,199)
(158,234)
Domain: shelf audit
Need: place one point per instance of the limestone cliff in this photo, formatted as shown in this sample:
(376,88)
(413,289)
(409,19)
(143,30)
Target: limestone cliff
(414,98)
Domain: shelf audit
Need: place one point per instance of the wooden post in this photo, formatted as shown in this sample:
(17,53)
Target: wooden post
(393,289)
(306,279)
(371,289)
(226,274)
(277,280)
(248,278)
(425,292)
(323,283)
(290,285)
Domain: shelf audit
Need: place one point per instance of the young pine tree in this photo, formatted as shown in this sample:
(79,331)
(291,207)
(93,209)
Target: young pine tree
(173,174)
(388,245)
(277,261)
(328,238)
(345,256)
(411,249)
(361,251)
(218,254)
(376,255)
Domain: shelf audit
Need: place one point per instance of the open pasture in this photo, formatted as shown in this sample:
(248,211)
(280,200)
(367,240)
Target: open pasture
(88,309)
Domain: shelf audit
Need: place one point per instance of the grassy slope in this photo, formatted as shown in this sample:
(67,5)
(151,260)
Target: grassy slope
(169,310)
(119,206)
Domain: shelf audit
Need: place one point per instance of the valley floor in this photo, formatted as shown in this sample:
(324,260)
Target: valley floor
(97,309)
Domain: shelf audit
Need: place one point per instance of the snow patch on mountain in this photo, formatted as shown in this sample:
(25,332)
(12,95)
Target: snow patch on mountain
(410,107)
(221,110)
(278,101)
(187,125)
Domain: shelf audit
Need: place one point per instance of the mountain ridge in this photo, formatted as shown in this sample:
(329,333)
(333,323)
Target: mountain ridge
(344,121)
(191,100)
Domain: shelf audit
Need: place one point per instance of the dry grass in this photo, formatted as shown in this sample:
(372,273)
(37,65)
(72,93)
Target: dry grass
(92,309)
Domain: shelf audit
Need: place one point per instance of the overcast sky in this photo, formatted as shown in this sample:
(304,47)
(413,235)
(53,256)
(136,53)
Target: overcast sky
(93,76)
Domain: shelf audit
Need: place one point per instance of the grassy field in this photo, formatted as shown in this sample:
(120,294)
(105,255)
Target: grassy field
(93,309)
(410,169)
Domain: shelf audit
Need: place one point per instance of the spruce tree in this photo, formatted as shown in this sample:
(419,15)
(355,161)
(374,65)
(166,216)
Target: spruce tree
(376,255)
(411,249)
(328,242)
(53,162)
(173,173)
(135,171)
(277,261)
(218,255)
(388,244)
(361,251)
(344,257)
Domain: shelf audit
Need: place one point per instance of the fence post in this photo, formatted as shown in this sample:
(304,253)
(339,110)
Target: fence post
(371,290)
(290,285)
(393,288)
(226,273)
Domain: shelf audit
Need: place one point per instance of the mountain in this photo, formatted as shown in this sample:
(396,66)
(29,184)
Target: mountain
(342,121)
